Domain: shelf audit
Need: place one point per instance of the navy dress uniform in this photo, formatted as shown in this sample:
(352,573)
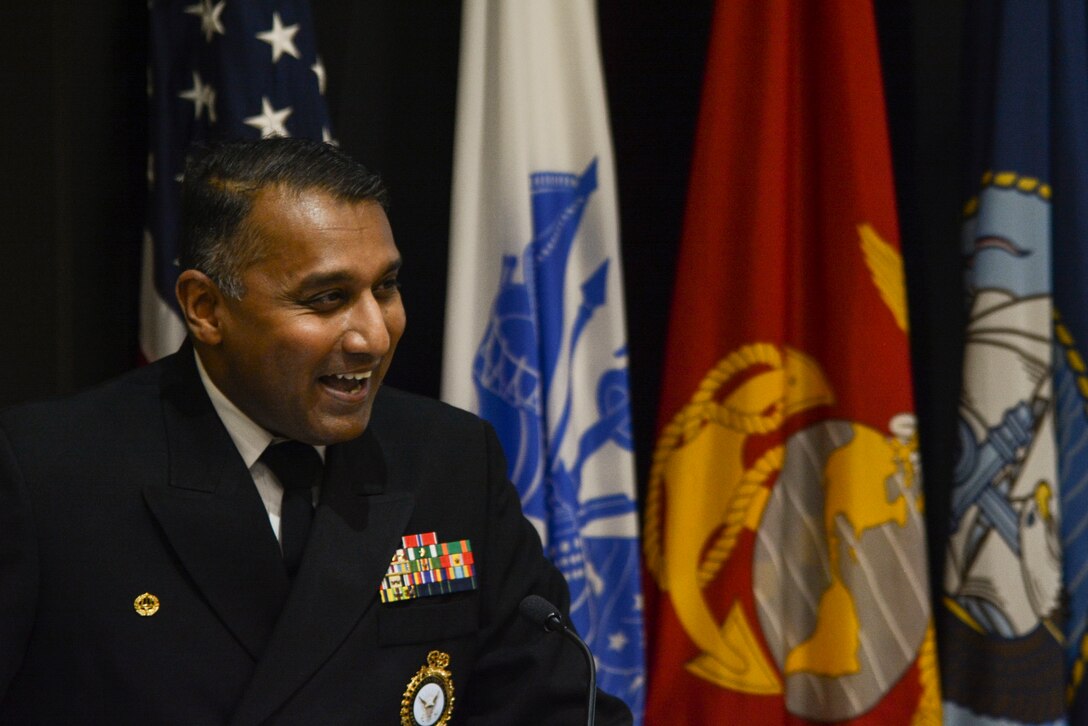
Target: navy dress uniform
(141,581)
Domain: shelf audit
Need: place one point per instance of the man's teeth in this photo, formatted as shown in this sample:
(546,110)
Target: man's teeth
(353,376)
(347,382)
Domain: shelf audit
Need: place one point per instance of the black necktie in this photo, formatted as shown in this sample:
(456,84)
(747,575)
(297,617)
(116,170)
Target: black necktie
(298,467)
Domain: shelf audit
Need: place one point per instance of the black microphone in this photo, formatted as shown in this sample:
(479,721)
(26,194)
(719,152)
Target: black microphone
(546,615)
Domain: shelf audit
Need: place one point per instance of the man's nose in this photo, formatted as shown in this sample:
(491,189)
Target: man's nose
(367,331)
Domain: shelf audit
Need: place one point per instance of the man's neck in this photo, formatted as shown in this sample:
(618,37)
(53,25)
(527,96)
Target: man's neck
(250,438)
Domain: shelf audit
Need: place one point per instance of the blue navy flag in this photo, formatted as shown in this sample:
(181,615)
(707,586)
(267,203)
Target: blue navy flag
(1069,170)
(1016,576)
(237,69)
(535,334)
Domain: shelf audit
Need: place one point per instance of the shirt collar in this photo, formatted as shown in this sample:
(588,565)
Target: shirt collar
(250,438)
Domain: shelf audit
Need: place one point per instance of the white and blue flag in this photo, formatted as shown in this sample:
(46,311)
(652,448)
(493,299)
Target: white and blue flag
(535,339)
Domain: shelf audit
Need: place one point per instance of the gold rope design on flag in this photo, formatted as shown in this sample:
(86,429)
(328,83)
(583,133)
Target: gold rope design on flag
(1008,180)
(686,425)
(1078,672)
(1076,363)
(1072,357)
(704,407)
(739,507)
(929,703)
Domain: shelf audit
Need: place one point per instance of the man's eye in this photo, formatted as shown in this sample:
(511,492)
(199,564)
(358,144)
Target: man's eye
(388,287)
(326,300)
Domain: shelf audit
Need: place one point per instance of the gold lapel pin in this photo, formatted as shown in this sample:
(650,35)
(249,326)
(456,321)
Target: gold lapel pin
(146,605)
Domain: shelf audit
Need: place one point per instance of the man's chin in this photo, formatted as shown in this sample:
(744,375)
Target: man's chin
(335,431)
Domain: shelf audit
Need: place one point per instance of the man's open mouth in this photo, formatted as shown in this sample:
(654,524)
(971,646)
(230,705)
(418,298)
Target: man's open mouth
(347,382)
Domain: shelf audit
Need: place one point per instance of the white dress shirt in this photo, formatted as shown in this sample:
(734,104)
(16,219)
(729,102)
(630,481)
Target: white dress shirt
(251,440)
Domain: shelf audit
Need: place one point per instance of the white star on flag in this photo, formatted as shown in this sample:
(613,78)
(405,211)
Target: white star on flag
(202,97)
(270,121)
(281,38)
(617,641)
(319,71)
(209,17)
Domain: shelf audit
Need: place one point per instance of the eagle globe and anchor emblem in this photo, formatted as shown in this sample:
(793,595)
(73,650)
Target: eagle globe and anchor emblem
(829,514)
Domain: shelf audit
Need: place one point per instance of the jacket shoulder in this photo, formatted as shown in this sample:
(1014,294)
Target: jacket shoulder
(98,410)
(395,407)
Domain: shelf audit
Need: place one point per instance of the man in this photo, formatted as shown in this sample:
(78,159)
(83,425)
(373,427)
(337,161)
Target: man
(160,562)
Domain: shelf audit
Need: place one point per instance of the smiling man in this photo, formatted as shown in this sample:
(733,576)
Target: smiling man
(254,530)
(301,336)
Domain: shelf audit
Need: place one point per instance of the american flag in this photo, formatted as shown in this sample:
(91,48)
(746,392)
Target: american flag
(219,69)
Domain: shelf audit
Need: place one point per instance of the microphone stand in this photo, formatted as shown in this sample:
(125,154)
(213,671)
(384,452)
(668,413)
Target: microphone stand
(591,699)
(544,614)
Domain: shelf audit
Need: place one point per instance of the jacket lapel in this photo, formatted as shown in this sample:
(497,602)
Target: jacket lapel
(357,527)
(212,514)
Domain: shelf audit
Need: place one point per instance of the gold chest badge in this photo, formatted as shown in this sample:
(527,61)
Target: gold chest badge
(146,605)
(428,700)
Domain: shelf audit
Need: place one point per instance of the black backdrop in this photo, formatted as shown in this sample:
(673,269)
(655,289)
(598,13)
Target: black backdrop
(74,114)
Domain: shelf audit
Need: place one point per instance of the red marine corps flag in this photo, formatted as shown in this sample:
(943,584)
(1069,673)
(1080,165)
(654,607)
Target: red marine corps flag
(784,534)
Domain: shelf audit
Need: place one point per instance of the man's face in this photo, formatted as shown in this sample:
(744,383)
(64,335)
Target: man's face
(305,349)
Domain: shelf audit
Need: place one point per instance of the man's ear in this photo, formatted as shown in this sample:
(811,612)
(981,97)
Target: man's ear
(201,304)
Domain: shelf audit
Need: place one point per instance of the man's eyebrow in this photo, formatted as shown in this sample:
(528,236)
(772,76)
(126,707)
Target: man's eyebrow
(338,277)
(321,279)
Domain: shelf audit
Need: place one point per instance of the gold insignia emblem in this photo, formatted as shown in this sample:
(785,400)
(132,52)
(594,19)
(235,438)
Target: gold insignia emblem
(428,700)
(146,604)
